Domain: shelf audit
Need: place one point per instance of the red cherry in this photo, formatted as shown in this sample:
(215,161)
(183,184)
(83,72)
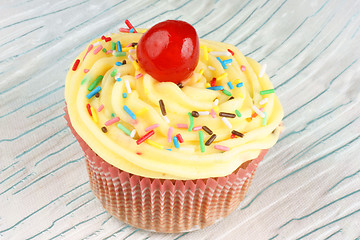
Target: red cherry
(169,51)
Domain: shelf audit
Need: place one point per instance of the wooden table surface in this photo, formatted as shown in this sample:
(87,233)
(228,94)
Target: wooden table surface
(307,187)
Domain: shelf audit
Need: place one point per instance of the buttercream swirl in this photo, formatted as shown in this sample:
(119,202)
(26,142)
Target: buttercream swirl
(159,158)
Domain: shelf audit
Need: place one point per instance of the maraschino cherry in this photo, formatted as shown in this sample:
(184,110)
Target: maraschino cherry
(169,51)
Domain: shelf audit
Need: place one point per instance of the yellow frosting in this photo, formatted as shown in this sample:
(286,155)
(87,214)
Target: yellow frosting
(151,158)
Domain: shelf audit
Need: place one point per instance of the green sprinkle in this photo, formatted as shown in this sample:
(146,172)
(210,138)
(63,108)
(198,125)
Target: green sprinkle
(120,54)
(226,92)
(95,82)
(124,129)
(113,115)
(267,91)
(113,46)
(85,79)
(237,113)
(264,120)
(113,73)
(191,122)
(201,140)
(104,50)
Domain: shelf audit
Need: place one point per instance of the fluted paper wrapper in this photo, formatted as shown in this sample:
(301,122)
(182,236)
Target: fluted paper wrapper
(165,205)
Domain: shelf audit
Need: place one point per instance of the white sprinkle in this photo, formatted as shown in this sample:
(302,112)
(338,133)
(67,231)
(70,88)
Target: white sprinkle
(187,149)
(132,50)
(227,123)
(216,102)
(265,100)
(132,134)
(203,113)
(262,71)
(166,119)
(131,58)
(260,113)
(220,53)
(117,75)
(127,84)
(96,44)
(211,68)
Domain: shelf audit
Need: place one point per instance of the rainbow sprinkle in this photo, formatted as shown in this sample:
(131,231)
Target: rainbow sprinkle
(224,75)
(216,88)
(98,49)
(118,44)
(124,95)
(128,111)
(94,115)
(127,85)
(76,64)
(93,92)
(263,101)
(100,108)
(231,86)
(176,142)
(152,127)
(237,113)
(267,91)
(146,136)
(201,141)
(154,144)
(113,73)
(124,129)
(95,82)
(182,125)
(222,148)
(256,110)
(191,122)
(227,123)
(112,121)
(169,135)
(239,84)
(179,137)
(262,71)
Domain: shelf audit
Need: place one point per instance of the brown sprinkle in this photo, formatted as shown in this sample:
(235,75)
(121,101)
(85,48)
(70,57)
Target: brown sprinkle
(239,134)
(134,44)
(124,62)
(228,115)
(195,114)
(97,95)
(104,129)
(231,98)
(207,130)
(210,140)
(162,107)
(180,85)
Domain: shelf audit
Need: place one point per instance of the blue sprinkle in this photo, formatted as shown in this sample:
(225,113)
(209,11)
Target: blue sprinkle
(118,79)
(230,85)
(93,92)
(169,149)
(176,142)
(118,44)
(227,61)
(118,63)
(240,84)
(124,95)
(216,88)
(132,30)
(128,111)
(222,63)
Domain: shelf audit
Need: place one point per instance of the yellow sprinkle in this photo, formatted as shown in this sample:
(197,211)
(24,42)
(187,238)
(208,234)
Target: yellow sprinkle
(205,52)
(201,71)
(125,49)
(241,95)
(222,76)
(207,85)
(237,81)
(94,116)
(136,65)
(141,111)
(154,144)
(216,108)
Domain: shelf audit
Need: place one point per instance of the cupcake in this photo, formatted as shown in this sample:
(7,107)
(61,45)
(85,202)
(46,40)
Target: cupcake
(172,127)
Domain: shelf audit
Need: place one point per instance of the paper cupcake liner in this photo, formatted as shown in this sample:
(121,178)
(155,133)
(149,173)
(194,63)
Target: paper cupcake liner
(165,205)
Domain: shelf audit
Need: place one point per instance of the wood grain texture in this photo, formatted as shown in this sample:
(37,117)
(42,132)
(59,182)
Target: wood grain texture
(307,187)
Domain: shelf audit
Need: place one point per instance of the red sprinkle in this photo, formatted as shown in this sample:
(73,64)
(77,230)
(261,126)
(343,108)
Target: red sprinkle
(254,115)
(86,70)
(130,26)
(138,153)
(243,68)
(233,136)
(232,53)
(76,64)
(89,109)
(146,136)
(179,137)
(213,82)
